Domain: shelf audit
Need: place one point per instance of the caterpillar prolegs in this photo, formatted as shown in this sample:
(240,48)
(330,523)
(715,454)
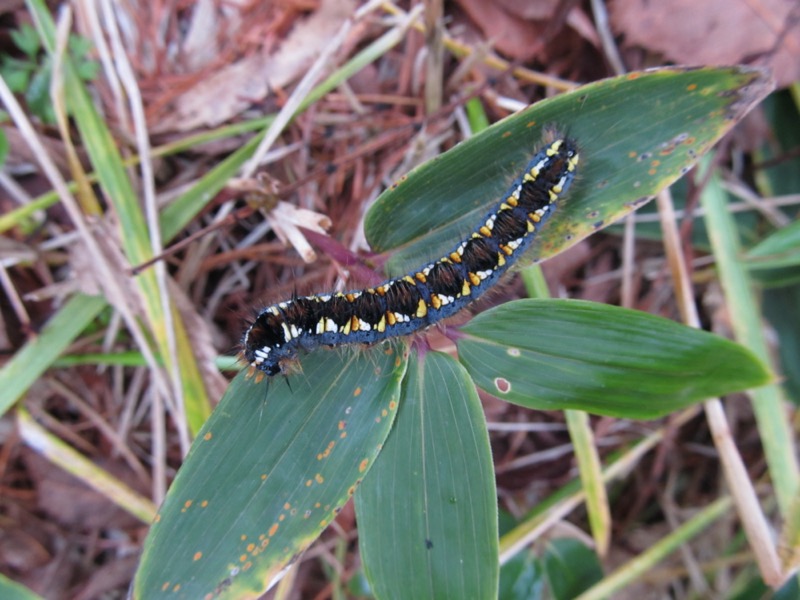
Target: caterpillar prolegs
(425,296)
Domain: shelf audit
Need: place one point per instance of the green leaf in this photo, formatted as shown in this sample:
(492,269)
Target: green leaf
(27,40)
(781,249)
(429,507)
(3,146)
(557,354)
(17,74)
(637,134)
(268,472)
(521,578)
(11,590)
(571,568)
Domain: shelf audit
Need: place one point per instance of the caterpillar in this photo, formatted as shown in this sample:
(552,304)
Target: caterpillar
(436,291)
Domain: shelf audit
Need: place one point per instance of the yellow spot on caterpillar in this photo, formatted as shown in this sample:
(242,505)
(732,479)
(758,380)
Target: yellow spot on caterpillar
(473,278)
(531,227)
(355,324)
(420,277)
(535,217)
(553,195)
(512,201)
(409,279)
(465,289)
(506,249)
(501,260)
(422,309)
(485,231)
(197,556)
(382,324)
(350,297)
(390,318)
(435,301)
(381,290)
(454,256)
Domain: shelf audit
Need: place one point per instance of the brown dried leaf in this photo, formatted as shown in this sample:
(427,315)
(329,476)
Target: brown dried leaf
(516,28)
(231,90)
(716,32)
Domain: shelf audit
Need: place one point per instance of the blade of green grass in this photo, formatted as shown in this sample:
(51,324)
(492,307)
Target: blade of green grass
(768,402)
(39,353)
(582,436)
(78,465)
(631,571)
(134,235)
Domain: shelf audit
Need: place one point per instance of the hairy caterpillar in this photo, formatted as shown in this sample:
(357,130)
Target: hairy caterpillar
(425,296)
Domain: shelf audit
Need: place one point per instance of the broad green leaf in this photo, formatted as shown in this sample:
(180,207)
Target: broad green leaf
(269,471)
(557,354)
(427,511)
(570,567)
(521,578)
(637,134)
(39,353)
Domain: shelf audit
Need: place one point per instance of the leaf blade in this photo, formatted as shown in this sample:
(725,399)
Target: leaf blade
(269,471)
(556,354)
(429,506)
